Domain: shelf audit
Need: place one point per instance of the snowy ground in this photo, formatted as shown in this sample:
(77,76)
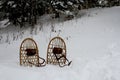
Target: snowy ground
(93,45)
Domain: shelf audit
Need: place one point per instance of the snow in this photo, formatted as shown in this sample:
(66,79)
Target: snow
(4,23)
(93,45)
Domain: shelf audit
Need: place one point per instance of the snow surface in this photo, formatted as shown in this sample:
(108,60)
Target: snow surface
(93,45)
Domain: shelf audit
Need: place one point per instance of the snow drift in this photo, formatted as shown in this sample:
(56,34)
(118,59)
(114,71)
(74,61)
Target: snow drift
(93,44)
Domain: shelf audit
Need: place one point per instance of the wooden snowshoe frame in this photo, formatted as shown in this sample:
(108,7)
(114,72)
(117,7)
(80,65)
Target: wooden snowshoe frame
(56,46)
(29,52)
